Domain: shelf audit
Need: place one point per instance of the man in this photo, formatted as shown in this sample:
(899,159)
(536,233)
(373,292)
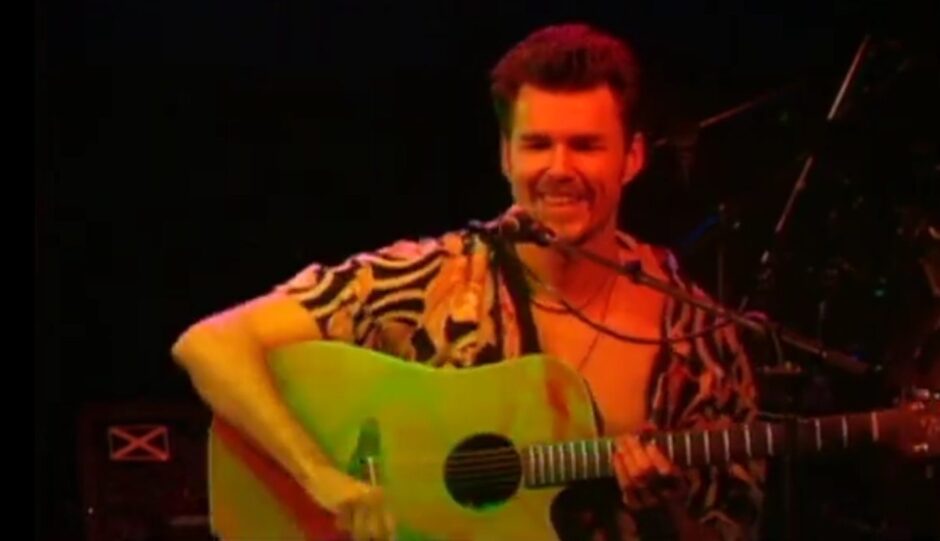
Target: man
(565,98)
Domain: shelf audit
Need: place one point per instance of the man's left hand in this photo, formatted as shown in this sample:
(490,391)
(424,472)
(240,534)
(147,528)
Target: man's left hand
(646,477)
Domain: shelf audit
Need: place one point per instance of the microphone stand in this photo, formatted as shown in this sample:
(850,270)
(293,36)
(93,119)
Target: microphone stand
(769,328)
(521,228)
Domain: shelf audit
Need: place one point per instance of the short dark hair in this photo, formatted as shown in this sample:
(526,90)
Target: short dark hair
(573,56)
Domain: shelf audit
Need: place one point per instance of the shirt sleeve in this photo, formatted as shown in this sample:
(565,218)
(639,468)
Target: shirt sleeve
(351,300)
(708,383)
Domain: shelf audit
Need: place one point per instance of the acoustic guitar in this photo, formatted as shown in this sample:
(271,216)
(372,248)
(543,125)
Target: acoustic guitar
(476,454)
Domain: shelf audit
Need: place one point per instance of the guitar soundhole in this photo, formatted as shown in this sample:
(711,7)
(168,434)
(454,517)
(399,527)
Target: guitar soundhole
(483,471)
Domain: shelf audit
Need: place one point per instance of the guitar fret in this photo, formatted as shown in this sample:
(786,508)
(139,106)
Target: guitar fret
(672,456)
(707,445)
(563,468)
(747,440)
(597,460)
(688,449)
(548,466)
(541,466)
(532,464)
(574,462)
(818,435)
(551,465)
(724,434)
(770,440)
(845,433)
(585,458)
(874,426)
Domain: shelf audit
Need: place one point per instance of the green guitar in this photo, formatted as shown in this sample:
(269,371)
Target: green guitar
(471,454)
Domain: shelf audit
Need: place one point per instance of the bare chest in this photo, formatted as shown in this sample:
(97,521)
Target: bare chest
(618,372)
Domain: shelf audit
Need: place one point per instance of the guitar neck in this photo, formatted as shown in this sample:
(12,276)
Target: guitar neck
(554,464)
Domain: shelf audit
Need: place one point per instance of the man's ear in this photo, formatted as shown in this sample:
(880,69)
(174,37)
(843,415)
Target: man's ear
(635,159)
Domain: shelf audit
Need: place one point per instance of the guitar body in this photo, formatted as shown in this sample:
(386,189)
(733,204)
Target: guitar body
(410,417)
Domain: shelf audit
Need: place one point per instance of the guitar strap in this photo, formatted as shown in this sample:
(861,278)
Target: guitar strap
(507,262)
(598,500)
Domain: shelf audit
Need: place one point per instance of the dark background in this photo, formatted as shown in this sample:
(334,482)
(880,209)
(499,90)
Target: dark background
(190,155)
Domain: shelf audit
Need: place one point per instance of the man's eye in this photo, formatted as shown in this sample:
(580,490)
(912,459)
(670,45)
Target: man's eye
(536,145)
(587,146)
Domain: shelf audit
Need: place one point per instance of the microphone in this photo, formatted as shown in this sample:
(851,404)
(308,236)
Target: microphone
(516,225)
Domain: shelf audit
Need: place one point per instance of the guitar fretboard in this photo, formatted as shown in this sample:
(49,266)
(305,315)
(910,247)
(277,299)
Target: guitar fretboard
(559,463)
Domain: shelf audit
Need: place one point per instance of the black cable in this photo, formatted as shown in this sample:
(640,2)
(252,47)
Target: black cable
(626,337)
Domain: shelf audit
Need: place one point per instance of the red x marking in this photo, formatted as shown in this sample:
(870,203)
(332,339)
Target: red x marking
(142,443)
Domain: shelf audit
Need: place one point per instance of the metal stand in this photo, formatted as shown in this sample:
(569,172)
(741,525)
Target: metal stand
(800,184)
(764,327)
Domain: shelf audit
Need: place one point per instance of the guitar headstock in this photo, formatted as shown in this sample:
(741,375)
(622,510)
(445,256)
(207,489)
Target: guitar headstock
(919,435)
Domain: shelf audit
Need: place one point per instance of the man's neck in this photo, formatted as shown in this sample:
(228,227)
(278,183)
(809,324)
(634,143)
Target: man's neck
(576,278)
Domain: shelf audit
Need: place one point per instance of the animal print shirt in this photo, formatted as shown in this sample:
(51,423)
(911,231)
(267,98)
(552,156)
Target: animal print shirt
(439,301)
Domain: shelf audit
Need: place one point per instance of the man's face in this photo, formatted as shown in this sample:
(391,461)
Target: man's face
(567,159)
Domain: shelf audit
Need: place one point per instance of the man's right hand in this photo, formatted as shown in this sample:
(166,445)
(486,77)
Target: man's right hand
(360,508)
(225,357)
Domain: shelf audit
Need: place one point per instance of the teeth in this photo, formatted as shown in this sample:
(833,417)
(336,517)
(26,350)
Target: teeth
(560,199)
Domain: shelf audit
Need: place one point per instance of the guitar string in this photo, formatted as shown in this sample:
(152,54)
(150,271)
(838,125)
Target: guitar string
(501,467)
(495,485)
(468,476)
(485,467)
(463,463)
(474,463)
(510,478)
(484,460)
(601,443)
(507,459)
(474,474)
(460,459)
(500,464)
(503,464)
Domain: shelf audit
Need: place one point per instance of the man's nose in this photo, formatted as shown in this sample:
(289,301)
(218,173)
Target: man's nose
(561,161)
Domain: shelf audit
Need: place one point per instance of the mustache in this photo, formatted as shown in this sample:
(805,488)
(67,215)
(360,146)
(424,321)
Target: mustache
(568,184)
